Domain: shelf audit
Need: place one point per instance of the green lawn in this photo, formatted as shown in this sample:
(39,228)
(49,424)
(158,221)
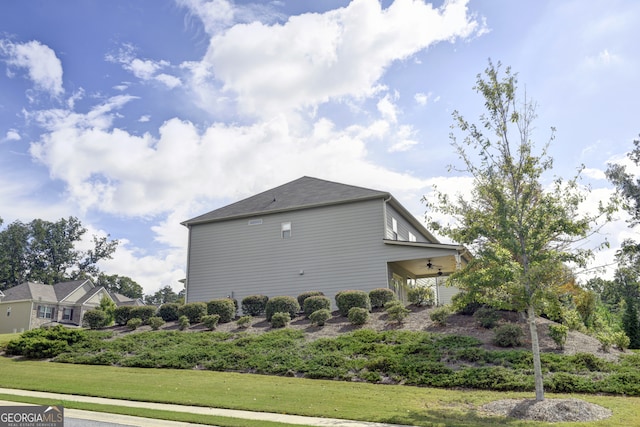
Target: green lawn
(336,399)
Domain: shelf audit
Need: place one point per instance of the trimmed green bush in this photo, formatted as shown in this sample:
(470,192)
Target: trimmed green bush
(183,322)
(280,319)
(439,315)
(358,315)
(254,305)
(303,296)
(508,335)
(193,311)
(319,317)
(134,323)
(223,307)
(282,304)
(122,314)
(422,295)
(346,300)
(244,321)
(169,311)
(396,311)
(621,340)
(211,321)
(94,319)
(558,334)
(315,303)
(487,317)
(144,312)
(156,322)
(380,296)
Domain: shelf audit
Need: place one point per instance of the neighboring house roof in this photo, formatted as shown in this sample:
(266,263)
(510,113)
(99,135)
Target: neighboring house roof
(30,291)
(64,289)
(303,193)
(124,300)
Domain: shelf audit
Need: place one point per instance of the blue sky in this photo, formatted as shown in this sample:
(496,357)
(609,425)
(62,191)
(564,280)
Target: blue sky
(135,115)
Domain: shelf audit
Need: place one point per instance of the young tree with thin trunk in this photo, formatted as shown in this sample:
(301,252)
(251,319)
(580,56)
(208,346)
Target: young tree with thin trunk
(520,228)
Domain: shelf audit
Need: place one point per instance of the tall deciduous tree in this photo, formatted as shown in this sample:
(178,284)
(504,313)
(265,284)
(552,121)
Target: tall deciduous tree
(521,233)
(120,284)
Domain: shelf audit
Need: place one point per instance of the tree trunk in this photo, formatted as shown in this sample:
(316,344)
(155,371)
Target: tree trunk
(535,350)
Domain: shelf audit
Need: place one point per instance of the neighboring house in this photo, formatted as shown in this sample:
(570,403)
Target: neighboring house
(31,305)
(311,234)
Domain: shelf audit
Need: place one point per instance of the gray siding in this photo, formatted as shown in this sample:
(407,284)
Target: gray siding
(336,247)
(404,227)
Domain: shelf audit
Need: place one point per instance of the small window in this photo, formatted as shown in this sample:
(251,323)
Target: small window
(394,228)
(255,221)
(8,311)
(412,237)
(45,312)
(286,230)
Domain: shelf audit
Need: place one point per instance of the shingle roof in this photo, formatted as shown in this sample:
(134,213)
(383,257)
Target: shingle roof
(305,192)
(39,291)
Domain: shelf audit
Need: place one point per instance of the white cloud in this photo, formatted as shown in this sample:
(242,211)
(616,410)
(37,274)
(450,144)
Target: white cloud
(12,135)
(388,109)
(42,64)
(144,69)
(314,58)
(594,173)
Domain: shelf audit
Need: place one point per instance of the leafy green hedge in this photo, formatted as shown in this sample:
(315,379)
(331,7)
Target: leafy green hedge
(224,308)
(346,300)
(282,304)
(254,305)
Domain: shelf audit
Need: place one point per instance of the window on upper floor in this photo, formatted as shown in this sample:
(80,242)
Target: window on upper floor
(412,237)
(394,229)
(286,230)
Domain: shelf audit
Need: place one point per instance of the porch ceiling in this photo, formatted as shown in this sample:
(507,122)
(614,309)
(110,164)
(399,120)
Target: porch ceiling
(418,267)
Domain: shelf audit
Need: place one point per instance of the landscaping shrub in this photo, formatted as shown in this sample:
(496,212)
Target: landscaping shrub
(122,314)
(380,296)
(396,311)
(254,305)
(211,321)
(303,296)
(422,295)
(508,335)
(183,322)
(621,340)
(606,340)
(44,343)
(133,323)
(315,303)
(439,315)
(224,308)
(94,319)
(358,315)
(346,300)
(169,311)
(463,303)
(572,319)
(156,322)
(244,321)
(319,317)
(487,317)
(282,304)
(193,311)
(280,319)
(558,334)
(144,312)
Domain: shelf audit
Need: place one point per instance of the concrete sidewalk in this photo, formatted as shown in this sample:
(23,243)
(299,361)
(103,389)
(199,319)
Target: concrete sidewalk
(142,422)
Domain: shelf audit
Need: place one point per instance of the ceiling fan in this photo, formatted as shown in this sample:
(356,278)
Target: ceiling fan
(431,266)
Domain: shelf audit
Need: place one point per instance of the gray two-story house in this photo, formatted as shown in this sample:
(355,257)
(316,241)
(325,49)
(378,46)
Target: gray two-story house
(312,234)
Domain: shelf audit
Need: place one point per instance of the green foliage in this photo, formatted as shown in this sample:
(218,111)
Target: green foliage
(244,321)
(120,284)
(163,296)
(358,315)
(558,334)
(183,322)
(211,321)
(396,311)
(282,304)
(280,319)
(156,322)
(122,314)
(143,312)
(319,317)
(346,300)
(421,295)
(303,296)
(108,306)
(44,343)
(508,335)
(254,305)
(572,319)
(134,323)
(169,311)
(630,323)
(94,319)
(224,308)
(464,303)
(193,311)
(621,340)
(439,315)
(380,296)
(487,317)
(315,303)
